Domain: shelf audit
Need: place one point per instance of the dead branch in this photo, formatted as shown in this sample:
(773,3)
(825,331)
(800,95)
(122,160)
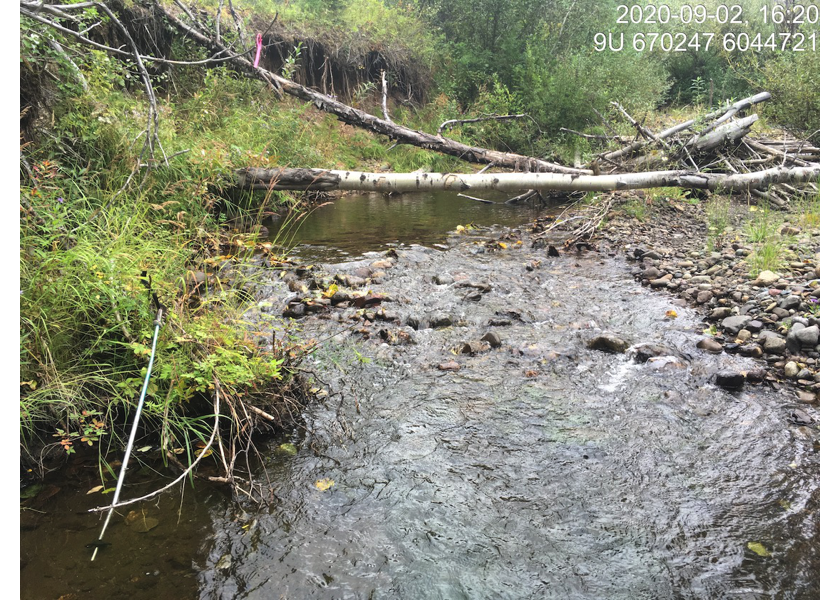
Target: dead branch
(476,199)
(720,115)
(385,97)
(260,412)
(522,197)
(76,71)
(326,180)
(589,136)
(585,231)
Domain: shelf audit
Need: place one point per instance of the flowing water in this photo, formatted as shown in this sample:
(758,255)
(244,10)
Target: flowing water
(539,469)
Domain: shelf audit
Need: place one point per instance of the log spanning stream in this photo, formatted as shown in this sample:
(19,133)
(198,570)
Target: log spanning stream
(539,469)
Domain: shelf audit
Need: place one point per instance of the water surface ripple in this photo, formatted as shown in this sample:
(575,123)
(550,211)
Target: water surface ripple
(541,469)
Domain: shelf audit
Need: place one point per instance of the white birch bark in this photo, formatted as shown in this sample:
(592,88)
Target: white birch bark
(321,179)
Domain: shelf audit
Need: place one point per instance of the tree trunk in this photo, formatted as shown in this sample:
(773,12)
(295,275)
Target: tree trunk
(729,133)
(321,179)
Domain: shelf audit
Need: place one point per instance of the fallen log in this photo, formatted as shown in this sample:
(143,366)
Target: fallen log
(729,133)
(326,180)
(720,117)
(357,118)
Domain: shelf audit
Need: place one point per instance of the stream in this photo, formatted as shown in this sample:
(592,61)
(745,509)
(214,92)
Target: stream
(439,466)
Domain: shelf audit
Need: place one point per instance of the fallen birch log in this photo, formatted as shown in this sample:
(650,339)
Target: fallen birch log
(326,180)
(720,117)
(729,133)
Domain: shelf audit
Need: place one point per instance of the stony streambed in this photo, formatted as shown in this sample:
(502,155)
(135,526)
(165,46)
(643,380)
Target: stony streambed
(765,315)
(499,422)
(500,419)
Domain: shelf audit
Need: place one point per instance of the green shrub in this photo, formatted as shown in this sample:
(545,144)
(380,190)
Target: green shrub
(793,78)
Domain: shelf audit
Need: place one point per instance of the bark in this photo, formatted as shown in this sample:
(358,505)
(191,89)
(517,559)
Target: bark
(325,180)
(729,133)
(358,118)
(720,116)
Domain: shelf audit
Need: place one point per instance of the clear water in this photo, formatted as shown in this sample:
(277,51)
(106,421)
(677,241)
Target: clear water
(540,469)
(358,223)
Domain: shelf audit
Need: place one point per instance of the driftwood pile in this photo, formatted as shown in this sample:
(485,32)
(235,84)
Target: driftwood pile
(718,143)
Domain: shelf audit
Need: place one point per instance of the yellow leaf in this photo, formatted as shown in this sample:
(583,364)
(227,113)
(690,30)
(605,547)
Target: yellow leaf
(459,229)
(324,484)
(203,448)
(93,490)
(671,314)
(330,291)
(503,245)
(758,548)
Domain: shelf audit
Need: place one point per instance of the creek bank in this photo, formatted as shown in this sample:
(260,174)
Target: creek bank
(771,316)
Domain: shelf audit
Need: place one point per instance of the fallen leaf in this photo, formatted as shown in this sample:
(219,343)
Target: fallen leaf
(93,490)
(671,314)
(288,449)
(32,491)
(503,246)
(324,484)
(758,548)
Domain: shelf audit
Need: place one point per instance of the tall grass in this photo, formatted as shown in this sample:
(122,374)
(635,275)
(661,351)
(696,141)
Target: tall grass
(94,259)
(718,220)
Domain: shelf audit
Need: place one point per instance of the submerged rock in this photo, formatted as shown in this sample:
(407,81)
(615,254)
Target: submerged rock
(492,338)
(800,417)
(730,380)
(439,320)
(608,342)
(450,365)
(710,345)
(474,347)
(644,352)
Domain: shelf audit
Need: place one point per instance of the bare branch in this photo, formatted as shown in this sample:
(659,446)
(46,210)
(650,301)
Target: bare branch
(182,475)
(385,98)
(81,78)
